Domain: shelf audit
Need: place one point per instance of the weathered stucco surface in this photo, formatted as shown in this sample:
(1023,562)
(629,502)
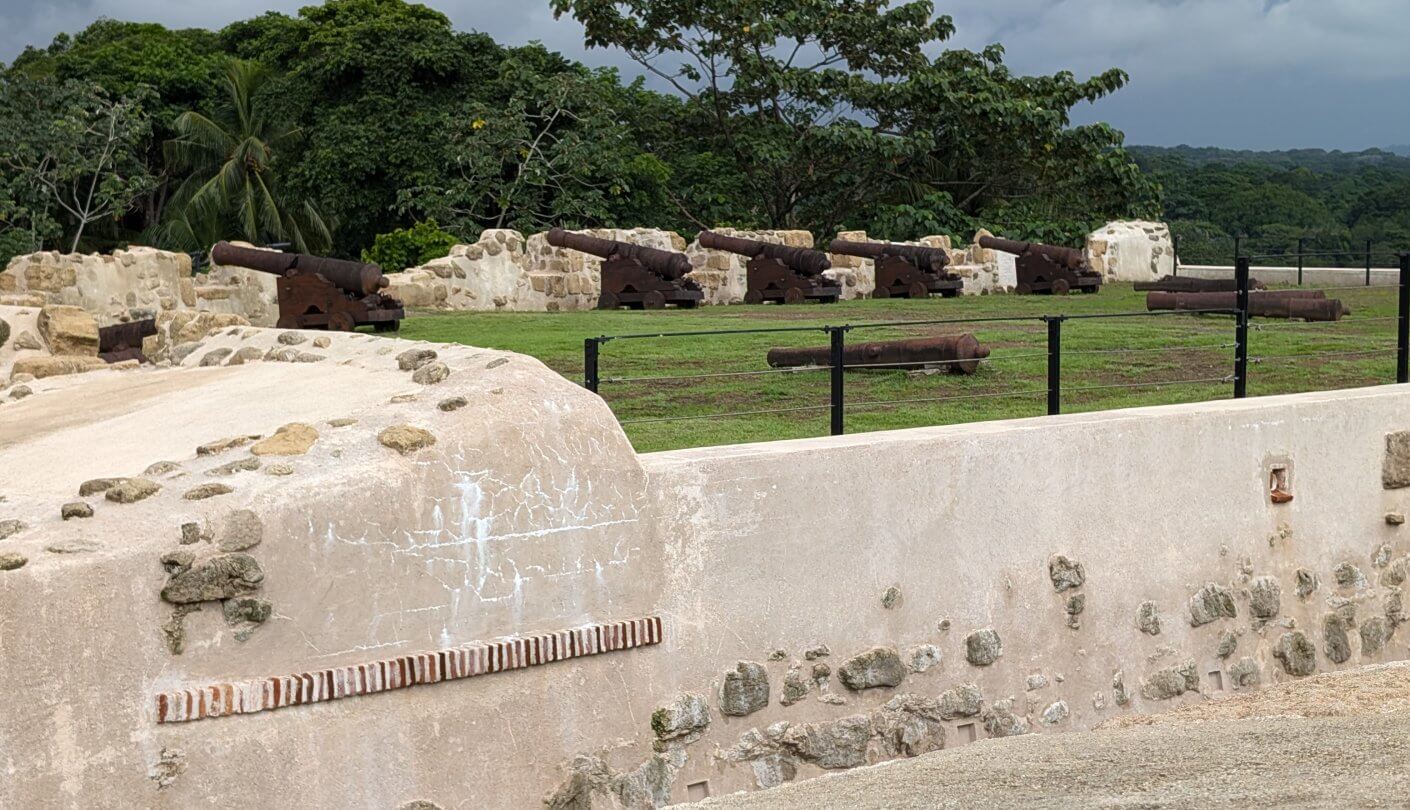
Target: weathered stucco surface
(1131,251)
(826,603)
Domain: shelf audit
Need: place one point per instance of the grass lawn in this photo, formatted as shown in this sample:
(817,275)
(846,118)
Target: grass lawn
(1107,363)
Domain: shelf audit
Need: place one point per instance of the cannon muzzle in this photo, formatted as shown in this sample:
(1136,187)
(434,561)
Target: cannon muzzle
(925,258)
(1070,258)
(357,278)
(804,261)
(664,263)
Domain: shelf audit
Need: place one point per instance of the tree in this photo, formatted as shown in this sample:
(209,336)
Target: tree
(72,155)
(376,85)
(179,68)
(831,108)
(555,153)
(232,189)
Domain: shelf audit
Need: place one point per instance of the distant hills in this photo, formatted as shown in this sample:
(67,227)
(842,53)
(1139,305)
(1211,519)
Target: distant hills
(1319,160)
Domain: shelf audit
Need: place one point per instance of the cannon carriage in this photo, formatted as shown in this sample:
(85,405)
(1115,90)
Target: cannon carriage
(778,273)
(316,292)
(904,271)
(1047,268)
(635,276)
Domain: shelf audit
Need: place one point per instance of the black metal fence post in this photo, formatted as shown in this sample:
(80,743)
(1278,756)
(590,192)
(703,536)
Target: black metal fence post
(1175,253)
(1241,329)
(1301,243)
(1054,364)
(838,335)
(1402,335)
(1368,262)
(1238,247)
(590,379)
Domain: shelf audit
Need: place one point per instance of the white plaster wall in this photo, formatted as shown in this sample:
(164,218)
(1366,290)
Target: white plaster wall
(1131,251)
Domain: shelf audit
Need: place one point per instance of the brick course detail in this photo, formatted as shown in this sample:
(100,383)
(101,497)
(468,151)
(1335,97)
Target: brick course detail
(281,691)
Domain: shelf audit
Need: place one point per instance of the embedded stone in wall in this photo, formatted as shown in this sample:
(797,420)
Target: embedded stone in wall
(832,745)
(1395,467)
(1306,583)
(1065,574)
(1002,721)
(1337,642)
(1245,674)
(879,666)
(1171,682)
(964,700)
(1148,618)
(983,647)
(1296,653)
(909,725)
(1228,643)
(1374,634)
(745,689)
(1210,603)
(1265,597)
(69,330)
(683,719)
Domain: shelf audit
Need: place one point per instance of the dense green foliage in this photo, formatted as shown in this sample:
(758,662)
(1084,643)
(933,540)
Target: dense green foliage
(1334,201)
(409,247)
(365,116)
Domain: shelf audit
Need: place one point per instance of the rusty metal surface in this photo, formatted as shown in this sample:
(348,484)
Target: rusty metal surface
(1071,258)
(804,261)
(359,278)
(123,341)
(664,263)
(316,292)
(1192,284)
(958,354)
(1308,305)
(930,259)
(1046,268)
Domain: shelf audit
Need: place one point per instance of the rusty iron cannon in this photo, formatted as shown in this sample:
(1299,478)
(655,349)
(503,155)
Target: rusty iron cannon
(904,271)
(957,354)
(123,341)
(1046,268)
(635,276)
(317,292)
(779,273)
(1307,305)
(1190,284)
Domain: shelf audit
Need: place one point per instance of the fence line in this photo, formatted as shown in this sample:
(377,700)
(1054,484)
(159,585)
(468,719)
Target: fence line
(837,336)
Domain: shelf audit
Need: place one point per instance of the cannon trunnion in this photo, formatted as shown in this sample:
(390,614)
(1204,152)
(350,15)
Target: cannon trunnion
(316,292)
(778,273)
(633,275)
(1047,268)
(904,271)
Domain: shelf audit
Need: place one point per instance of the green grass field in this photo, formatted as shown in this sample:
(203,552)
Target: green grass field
(1107,363)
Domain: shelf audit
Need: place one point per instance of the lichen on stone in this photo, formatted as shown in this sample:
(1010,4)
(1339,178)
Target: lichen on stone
(1148,618)
(1065,573)
(877,667)
(983,647)
(218,577)
(745,689)
(1296,653)
(1210,603)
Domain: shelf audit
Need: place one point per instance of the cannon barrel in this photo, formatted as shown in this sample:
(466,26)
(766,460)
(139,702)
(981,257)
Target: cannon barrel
(357,278)
(805,261)
(933,259)
(959,354)
(1190,284)
(1071,258)
(664,263)
(1309,305)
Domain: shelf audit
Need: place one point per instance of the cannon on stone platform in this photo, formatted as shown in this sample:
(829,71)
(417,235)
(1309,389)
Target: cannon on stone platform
(316,292)
(787,275)
(123,341)
(1047,268)
(904,271)
(635,276)
(957,354)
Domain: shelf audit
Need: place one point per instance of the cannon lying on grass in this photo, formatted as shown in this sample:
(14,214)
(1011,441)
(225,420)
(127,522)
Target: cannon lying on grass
(1047,268)
(316,292)
(786,275)
(123,341)
(1191,284)
(633,275)
(957,354)
(904,271)
(1307,305)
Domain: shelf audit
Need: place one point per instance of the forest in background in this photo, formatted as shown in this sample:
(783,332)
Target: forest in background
(372,127)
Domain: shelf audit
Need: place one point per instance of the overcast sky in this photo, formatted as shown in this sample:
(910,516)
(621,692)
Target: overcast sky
(1250,74)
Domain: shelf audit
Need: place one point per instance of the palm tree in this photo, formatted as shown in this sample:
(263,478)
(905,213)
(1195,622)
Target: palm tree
(231,191)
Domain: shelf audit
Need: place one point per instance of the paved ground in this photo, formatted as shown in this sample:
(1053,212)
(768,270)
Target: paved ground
(1337,740)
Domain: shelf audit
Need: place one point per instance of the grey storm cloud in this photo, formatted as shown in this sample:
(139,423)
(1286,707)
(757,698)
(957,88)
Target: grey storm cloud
(1239,73)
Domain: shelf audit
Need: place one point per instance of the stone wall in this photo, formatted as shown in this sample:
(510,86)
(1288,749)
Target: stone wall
(1131,251)
(724,276)
(379,525)
(984,271)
